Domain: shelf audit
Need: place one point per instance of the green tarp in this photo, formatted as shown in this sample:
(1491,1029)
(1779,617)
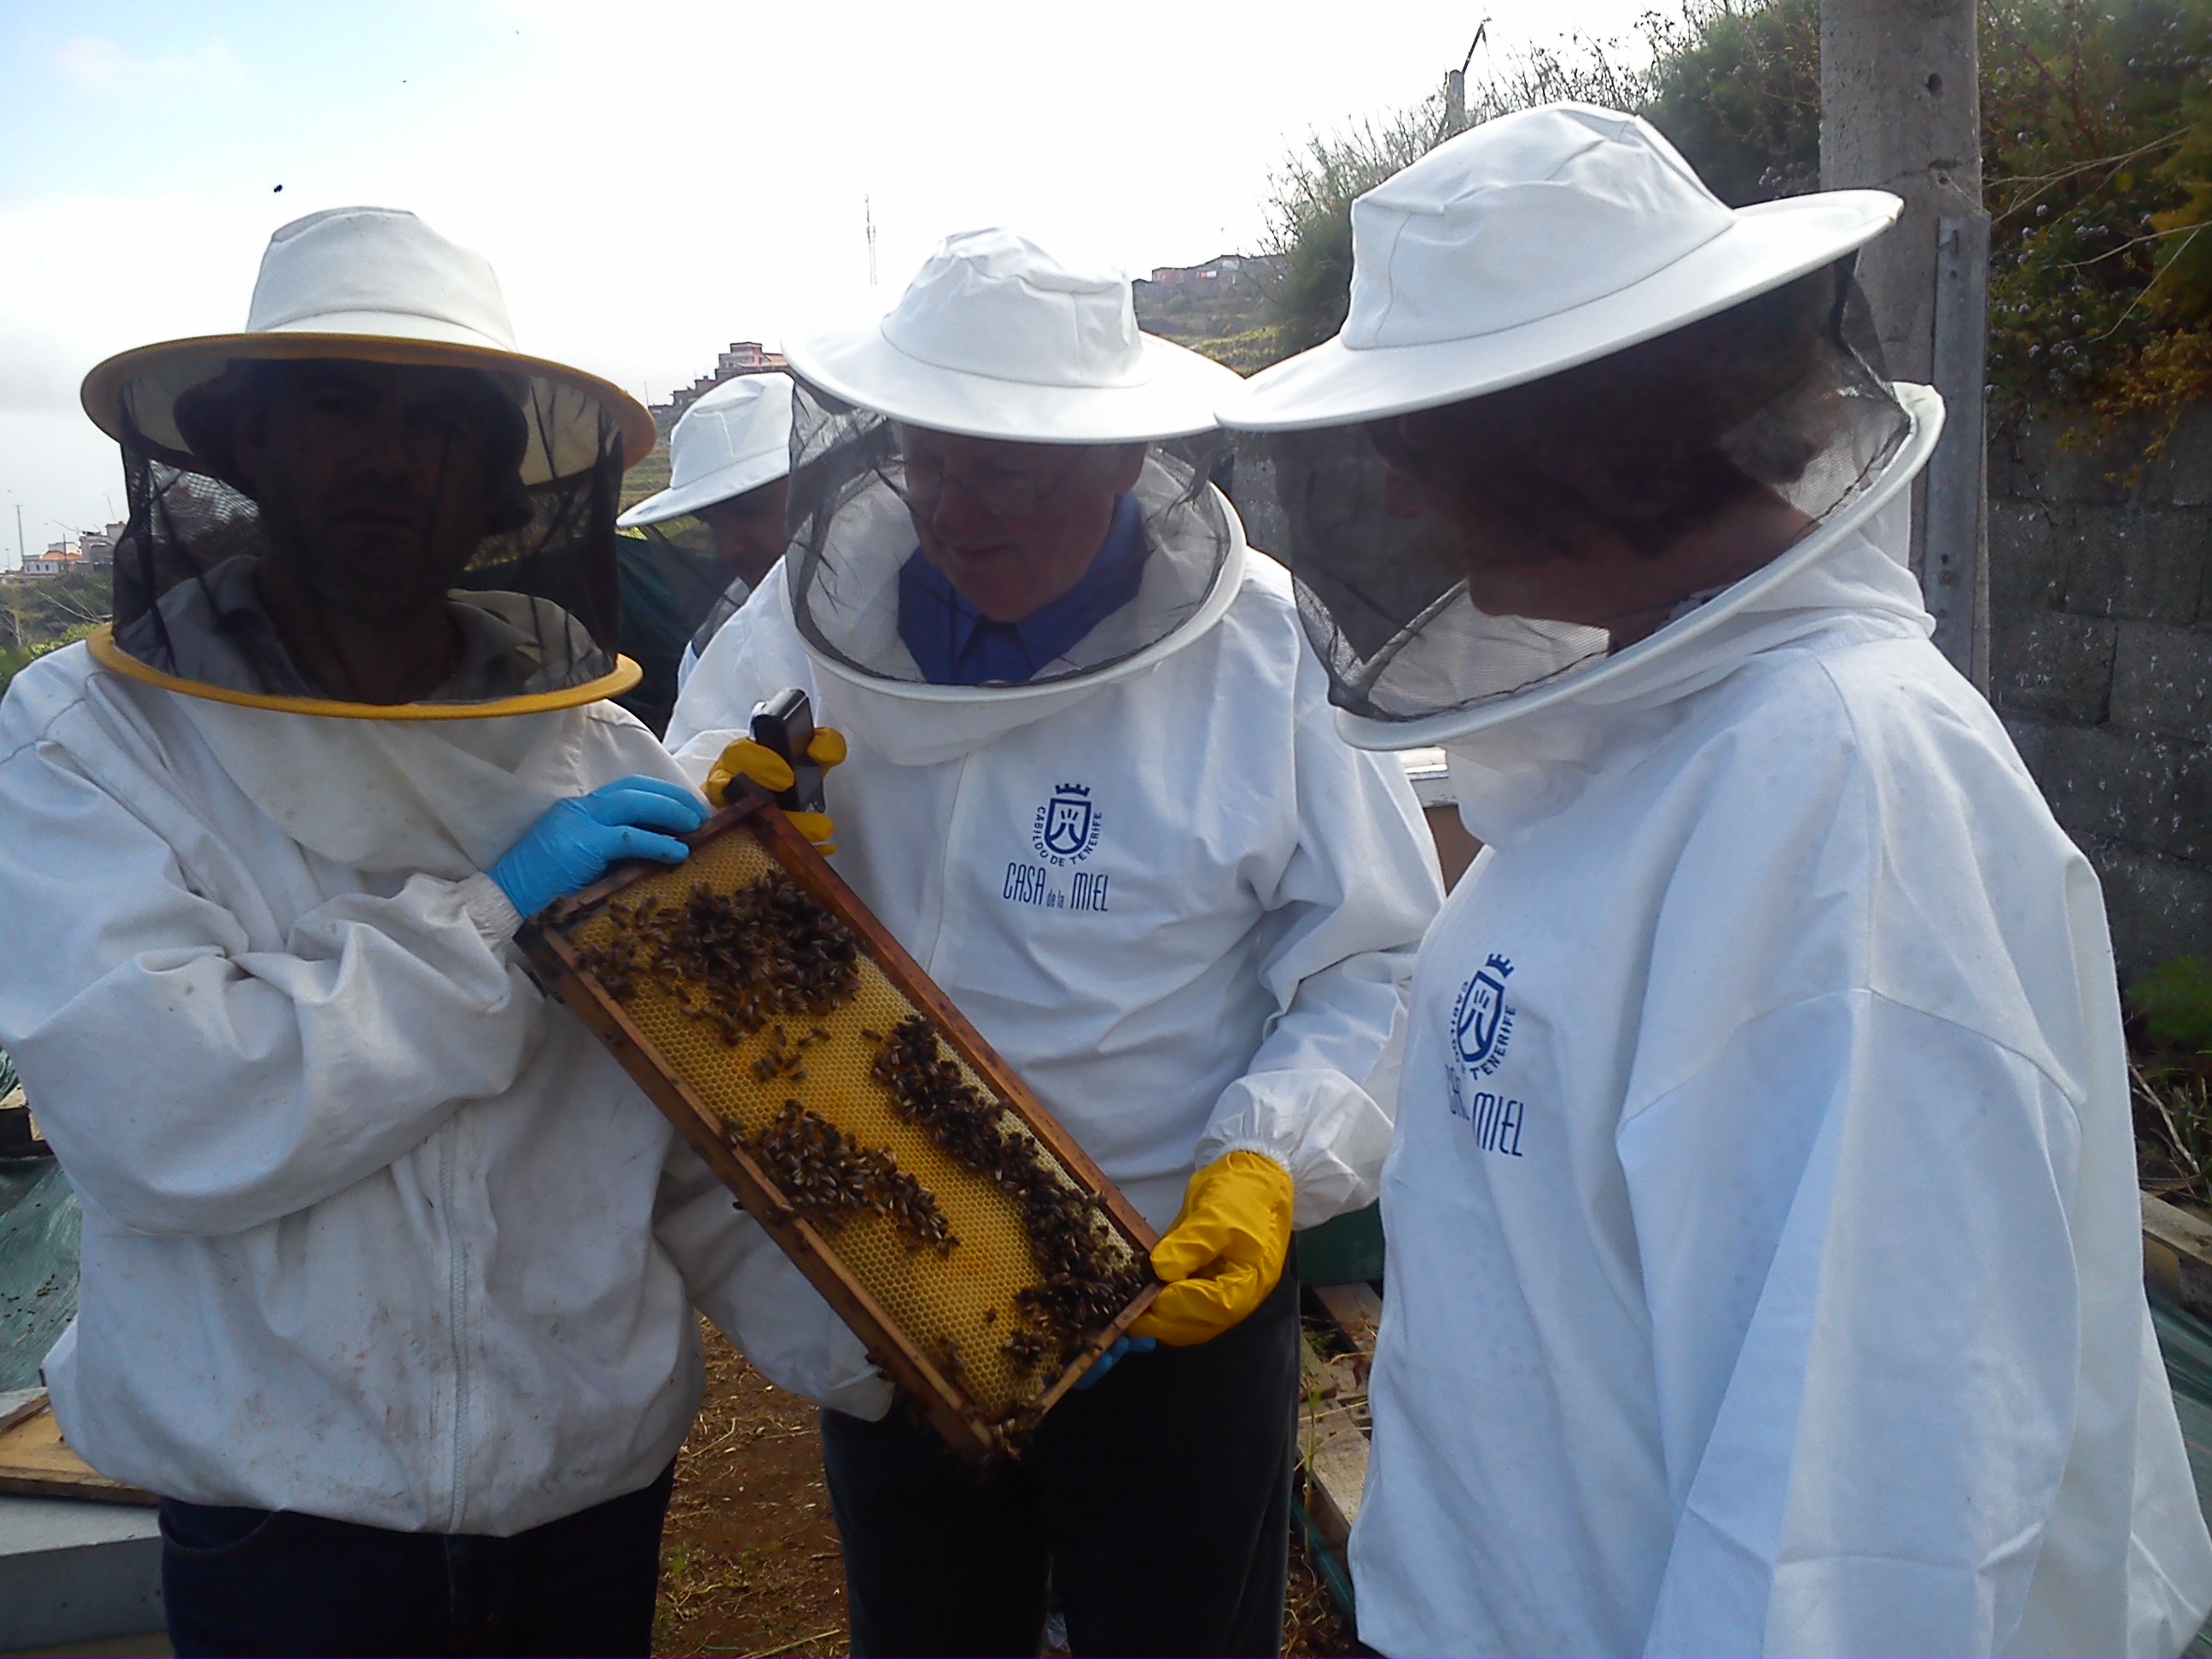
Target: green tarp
(2186,1342)
(40,1225)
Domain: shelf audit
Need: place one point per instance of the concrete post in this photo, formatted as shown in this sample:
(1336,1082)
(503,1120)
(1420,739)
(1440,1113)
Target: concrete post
(1900,110)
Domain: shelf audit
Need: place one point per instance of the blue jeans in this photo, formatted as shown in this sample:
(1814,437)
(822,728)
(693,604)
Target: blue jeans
(240,1581)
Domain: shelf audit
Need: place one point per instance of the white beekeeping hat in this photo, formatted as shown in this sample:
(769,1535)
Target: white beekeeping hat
(374,284)
(1554,322)
(536,608)
(1530,244)
(735,439)
(996,338)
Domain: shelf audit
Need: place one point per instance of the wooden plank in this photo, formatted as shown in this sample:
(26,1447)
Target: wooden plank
(19,1403)
(545,942)
(35,1461)
(2178,1255)
(1357,1312)
(1336,1476)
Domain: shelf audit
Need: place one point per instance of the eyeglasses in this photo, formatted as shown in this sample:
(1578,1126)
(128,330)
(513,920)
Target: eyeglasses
(1000,493)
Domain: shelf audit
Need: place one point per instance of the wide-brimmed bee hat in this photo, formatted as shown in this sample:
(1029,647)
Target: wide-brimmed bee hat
(997,339)
(1553,285)
(536,611)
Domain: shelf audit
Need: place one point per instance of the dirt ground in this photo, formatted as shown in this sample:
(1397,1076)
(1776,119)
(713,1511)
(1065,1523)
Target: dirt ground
(749,1566)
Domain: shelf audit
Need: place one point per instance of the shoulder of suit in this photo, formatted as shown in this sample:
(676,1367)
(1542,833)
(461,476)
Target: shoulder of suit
(44,694)
(1266,575)
(1889,717)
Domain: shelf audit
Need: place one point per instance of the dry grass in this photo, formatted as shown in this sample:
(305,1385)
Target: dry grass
(648,477)
(2172,1104)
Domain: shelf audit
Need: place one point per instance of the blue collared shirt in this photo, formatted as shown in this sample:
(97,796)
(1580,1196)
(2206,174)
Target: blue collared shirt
(955,644)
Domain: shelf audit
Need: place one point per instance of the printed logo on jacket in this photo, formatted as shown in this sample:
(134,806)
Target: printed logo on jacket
(1065,832)
(1482,1030)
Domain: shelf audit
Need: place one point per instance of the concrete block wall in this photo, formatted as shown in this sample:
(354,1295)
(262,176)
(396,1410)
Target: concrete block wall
(2100,662)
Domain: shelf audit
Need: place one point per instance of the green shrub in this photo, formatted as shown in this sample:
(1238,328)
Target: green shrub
(2174,1002)
(1738,92)
(14,660)
(2096,157)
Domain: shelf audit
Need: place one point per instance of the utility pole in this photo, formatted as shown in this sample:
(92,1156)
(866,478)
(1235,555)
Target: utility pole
(1456,84)
(21,557)
(1900,110)
(868,207)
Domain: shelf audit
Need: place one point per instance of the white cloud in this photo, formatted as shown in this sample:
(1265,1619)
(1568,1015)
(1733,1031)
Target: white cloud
(35,373)
(97,64)
(74,289)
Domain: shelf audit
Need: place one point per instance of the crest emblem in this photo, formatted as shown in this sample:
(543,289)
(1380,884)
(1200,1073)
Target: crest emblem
(1482,1023)
(1066,827)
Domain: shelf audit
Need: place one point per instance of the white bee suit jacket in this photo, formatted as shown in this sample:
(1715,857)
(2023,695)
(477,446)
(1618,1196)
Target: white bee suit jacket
(1172,900)
(1764,1273)
(372,1230)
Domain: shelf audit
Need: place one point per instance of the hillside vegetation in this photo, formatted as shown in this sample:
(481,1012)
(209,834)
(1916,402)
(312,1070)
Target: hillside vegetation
(44,615)
(2096,156)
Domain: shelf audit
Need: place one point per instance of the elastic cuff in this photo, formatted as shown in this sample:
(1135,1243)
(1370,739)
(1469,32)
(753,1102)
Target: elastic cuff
(867,1398)
(489,909)
(1272,1154)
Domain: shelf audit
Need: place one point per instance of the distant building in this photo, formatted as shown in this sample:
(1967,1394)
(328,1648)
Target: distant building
(98,546)
(744,358)
(1217,300)
(1230,270)
(59,559)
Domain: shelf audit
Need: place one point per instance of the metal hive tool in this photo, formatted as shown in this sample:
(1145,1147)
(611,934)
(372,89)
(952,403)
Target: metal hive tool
(936,1297)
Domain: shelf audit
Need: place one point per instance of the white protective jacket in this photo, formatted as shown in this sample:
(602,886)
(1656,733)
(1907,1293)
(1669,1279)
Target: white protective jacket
(1764,1265)
(1215,962)
(372,1230)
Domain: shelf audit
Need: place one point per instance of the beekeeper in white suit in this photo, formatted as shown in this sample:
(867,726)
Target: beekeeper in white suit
(1764,1271)
(388,1269)
(1093,787)
(728,459)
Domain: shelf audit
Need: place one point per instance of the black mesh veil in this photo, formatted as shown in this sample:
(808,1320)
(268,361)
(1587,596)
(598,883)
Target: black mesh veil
(853,535)
(1383,591)
(704,592)
(535,609)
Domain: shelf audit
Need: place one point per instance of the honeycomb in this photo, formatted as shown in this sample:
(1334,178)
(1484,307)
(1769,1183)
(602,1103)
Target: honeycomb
(956,1310)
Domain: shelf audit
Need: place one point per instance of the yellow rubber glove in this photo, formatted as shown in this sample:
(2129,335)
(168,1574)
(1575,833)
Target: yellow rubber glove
(746,759)
(1224,1252)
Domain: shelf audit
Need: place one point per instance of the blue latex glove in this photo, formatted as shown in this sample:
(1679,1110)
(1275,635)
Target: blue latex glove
(1112,1357)
(571,847)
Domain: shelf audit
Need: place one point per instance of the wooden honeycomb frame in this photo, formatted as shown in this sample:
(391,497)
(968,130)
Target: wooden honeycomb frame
(550,942)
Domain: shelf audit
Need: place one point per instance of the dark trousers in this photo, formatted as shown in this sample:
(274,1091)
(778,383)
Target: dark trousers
(1158,1503)
(239,1581)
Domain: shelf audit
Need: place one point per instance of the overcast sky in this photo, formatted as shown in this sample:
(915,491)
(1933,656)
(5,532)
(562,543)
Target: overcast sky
(651,180)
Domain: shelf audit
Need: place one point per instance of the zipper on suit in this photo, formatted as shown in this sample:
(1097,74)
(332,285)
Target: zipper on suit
(457,1317)
(945,864)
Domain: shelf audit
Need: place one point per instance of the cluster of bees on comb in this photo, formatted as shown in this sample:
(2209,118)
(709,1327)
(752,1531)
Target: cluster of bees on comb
(1087,1277)
(735,960)
(742,960)
(827,1179)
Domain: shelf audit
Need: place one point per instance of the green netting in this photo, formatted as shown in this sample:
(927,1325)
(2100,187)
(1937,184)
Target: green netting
(2186,1342)
(1345,1251)
(40,1225)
